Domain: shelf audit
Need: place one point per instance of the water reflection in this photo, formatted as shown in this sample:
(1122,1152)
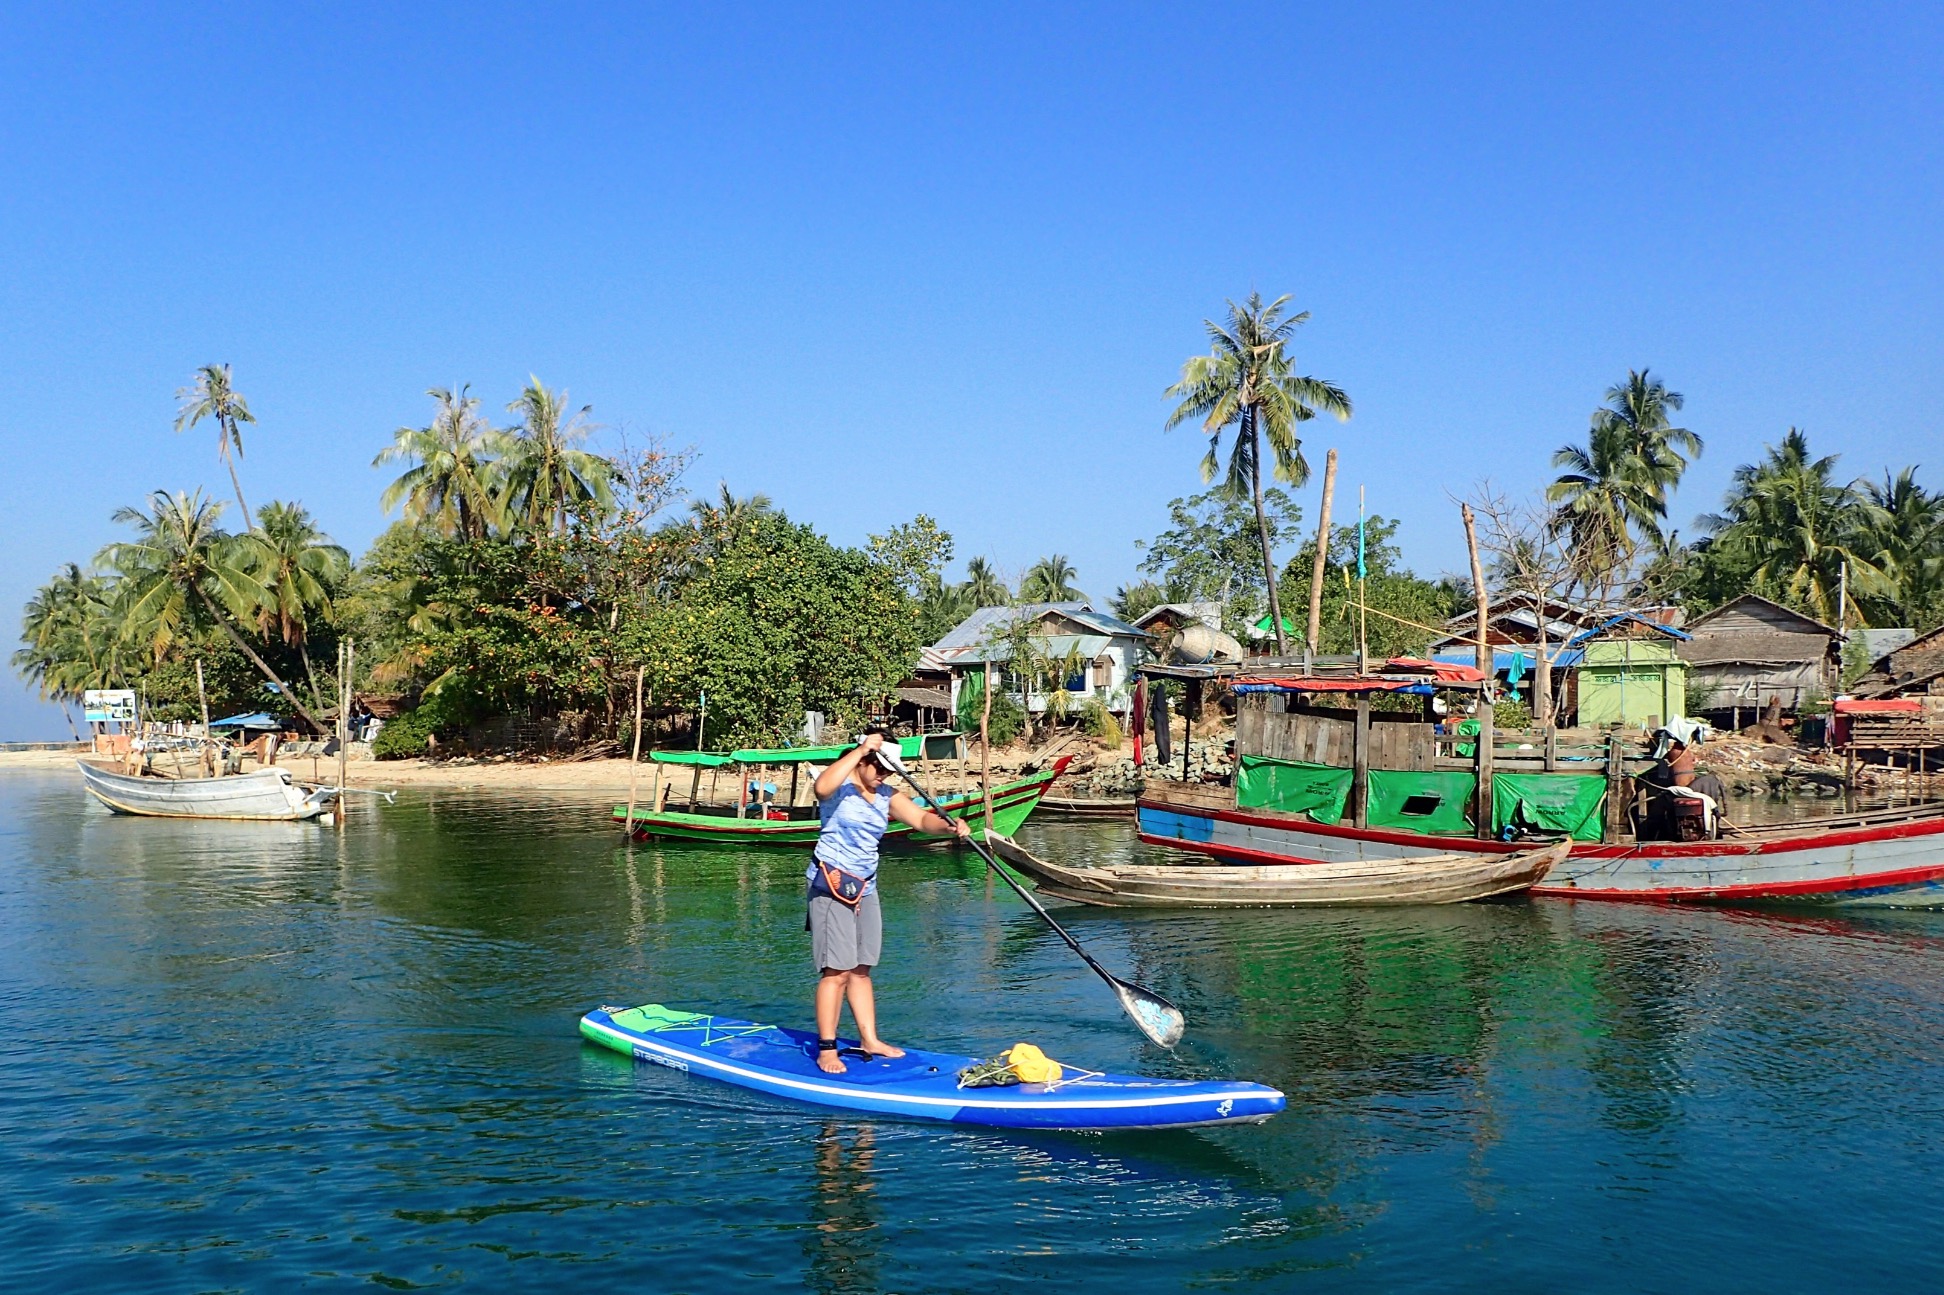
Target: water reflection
(842,1243)
(239,1057)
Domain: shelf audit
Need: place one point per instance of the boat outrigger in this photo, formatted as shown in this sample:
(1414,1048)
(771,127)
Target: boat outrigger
(766,811)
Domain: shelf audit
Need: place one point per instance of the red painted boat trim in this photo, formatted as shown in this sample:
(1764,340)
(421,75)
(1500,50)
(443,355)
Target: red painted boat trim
(1901,879)
(1470,844)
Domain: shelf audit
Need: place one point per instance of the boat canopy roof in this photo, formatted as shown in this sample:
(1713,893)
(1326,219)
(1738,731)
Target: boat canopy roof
(706,759)
(908,747)
(256,719)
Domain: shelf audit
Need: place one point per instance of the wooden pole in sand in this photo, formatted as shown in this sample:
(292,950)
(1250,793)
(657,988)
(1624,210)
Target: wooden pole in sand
(634,760)
(1316,565)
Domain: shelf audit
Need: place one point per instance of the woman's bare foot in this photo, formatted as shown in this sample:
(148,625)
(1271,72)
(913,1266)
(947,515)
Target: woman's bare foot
(879,1048)
(830,1063)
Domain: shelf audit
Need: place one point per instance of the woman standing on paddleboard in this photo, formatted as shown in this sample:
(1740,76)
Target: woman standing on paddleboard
(855,805)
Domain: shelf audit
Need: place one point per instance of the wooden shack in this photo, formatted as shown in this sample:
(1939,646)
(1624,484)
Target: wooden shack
(1749,652)
(1914,669)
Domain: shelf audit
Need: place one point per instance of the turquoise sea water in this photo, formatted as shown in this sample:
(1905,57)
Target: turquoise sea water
(263,1056)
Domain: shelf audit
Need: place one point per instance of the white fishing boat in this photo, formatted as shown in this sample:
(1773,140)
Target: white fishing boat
(264,794)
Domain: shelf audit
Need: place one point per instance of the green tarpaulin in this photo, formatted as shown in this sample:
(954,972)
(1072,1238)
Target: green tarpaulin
(1412,801)
(1295,786)
(1548,804)
(706,759)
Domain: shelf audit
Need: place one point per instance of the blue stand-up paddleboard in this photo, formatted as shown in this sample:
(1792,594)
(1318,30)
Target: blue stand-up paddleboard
(918,1085)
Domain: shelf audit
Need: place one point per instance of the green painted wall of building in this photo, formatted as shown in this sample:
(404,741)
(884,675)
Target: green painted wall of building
(1635,683)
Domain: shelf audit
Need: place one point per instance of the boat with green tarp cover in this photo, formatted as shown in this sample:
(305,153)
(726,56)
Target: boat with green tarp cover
(766,811)
(919,1085)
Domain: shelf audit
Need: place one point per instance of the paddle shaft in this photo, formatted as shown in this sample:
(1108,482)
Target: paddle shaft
(1031,901)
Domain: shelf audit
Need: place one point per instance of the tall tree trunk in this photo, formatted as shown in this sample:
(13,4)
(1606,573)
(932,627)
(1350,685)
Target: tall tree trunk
(228,430)
(1262,531)
(317,694)
(243,645)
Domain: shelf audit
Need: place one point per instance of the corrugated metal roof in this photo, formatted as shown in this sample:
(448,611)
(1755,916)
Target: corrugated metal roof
(974,630)
(1088,645)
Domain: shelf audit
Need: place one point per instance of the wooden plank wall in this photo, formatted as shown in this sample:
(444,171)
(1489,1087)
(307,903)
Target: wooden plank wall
(1327,735)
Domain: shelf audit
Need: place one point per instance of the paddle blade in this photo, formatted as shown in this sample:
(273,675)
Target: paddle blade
(1157,1018)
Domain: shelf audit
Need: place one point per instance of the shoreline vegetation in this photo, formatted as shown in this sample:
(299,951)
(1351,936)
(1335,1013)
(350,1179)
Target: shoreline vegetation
(532,579)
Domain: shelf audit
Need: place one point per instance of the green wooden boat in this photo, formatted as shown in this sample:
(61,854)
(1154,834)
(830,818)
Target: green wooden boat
(762,820)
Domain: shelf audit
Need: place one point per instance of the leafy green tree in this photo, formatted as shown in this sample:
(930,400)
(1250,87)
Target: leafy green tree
(984,584)
(915,552)
(212,395)
(1406,611)
(1050,580)
(547,473)
(454,482)
(300,570)
(1211,551)
(782,622)
(182,573)
(1248,381)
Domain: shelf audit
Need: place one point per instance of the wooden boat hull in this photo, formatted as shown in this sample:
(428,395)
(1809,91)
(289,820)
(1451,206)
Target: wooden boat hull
(1864,860)
(1439,879)
(265,795)
(1011,805)
(1087,807)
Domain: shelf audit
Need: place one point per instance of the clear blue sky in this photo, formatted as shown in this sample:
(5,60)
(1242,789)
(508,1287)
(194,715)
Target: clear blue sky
(918,259)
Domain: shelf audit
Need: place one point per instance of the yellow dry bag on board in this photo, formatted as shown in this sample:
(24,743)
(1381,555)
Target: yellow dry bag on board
(1032,1065)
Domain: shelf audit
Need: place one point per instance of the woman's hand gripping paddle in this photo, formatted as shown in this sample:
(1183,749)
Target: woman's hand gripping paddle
(1157,1018)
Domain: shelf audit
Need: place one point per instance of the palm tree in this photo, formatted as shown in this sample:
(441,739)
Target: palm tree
(1050,580)
(984,584)
(454,480)
(1906,538)
(547,472)
(211,395)
(1801,529)
(1248,380)
(70,640)
(300,570)
(725,519)
(1131,602)
(183,571)
(1613,495)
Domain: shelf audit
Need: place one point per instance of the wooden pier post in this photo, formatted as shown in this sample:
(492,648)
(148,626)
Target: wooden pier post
(1360,761)
(1487,735)
(634,759)
(1616,770)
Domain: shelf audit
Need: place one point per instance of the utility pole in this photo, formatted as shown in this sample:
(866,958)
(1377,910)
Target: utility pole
(1316,564)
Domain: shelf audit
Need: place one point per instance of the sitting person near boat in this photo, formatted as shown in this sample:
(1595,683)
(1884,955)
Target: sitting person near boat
(1682,804)
(855,805)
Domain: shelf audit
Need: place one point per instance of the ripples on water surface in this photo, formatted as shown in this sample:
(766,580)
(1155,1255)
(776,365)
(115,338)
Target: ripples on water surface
(243,1056)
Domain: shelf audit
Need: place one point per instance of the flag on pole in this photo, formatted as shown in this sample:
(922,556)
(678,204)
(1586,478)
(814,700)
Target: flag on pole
(1362,571)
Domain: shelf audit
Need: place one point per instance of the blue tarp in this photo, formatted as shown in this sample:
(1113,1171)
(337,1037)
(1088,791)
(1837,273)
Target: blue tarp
(255,720)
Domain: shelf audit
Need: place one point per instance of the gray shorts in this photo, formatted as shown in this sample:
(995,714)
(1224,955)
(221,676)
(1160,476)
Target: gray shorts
(842,937)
